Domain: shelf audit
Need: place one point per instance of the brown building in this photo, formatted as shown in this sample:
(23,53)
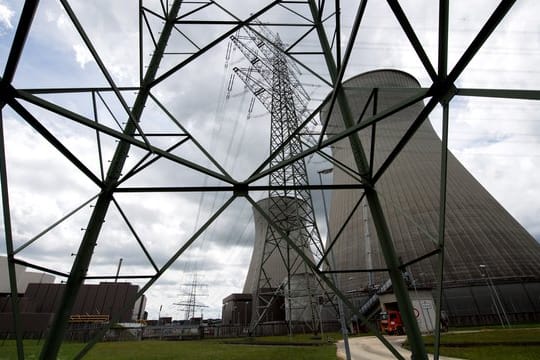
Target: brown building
(95,304)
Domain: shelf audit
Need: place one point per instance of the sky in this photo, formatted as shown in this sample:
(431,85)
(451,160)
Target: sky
(497,140)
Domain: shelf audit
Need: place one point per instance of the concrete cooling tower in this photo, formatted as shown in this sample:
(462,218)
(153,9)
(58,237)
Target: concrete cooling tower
(272,257)
(281,284)
(488,253)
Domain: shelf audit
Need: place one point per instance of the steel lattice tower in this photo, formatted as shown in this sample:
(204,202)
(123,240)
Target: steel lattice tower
(188,302)
(273,81)
(179,34)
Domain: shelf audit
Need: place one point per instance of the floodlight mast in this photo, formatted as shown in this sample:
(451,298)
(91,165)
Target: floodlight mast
(274,82)
(86,249)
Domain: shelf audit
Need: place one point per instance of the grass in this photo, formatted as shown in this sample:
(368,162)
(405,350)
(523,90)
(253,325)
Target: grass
(499,352)
(210,349)
(494,344)
(517,343)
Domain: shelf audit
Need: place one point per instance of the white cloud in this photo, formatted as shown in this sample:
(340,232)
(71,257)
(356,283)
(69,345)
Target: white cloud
(82,55)
(6,15)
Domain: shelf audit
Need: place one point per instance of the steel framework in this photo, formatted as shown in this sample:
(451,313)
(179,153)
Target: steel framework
(188,302)
(311,16)
(274,82)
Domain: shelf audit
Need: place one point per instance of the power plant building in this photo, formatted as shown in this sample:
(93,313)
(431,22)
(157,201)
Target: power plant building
(39,299)
(488,254)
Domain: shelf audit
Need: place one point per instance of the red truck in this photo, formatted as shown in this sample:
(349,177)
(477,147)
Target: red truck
(391,323)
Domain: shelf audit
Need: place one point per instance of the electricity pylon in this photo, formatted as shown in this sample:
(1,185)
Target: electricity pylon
(273,80)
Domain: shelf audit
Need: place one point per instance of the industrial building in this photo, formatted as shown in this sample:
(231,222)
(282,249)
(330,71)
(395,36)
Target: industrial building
(40,297)
(24,277)
(491,261)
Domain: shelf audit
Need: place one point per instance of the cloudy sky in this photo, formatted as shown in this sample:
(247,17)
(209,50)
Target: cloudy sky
(497,140)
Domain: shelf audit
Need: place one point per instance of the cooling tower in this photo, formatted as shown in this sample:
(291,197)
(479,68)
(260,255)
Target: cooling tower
(272,257)
(479,231)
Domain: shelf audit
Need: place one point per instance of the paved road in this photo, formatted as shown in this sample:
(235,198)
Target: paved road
(370,348)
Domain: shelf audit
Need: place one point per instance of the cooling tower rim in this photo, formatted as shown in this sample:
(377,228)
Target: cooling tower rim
(387,70)
(373,72)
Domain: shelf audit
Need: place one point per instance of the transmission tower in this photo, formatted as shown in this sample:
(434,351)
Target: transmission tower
(188,302)
(274,81)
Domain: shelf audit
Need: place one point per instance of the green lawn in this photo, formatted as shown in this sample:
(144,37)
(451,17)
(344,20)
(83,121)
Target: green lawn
(474,344)
(499,352)
(193,350)
(494,344)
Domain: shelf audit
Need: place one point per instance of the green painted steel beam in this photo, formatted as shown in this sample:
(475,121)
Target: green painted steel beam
(86,249)
(328,282)
(383,232)
(442,226)
(55,224)
(443,69)
(15,53)
(105,72)
(213,43)
(122,136)
(411,35)
(341,67)
(21,34)
(500,93)
(9,245)
(165,267)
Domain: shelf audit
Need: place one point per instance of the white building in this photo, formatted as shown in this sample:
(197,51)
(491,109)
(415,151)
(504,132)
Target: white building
(24,277)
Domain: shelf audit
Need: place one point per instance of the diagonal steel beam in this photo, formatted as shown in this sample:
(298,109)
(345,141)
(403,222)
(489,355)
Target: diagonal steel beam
(103,68)
(55,224)
(328,282)
(213,43)
(415,42)
(443,69)
(143,163)
(134,233)
(406,137)
(40,268)
(32,121)
(191,137)
(491,24)
(93,229)
(443,89)
(341,67)
(123,136)
(128,307)
(23,28)
(8,234)
(341,229)
(383,232)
